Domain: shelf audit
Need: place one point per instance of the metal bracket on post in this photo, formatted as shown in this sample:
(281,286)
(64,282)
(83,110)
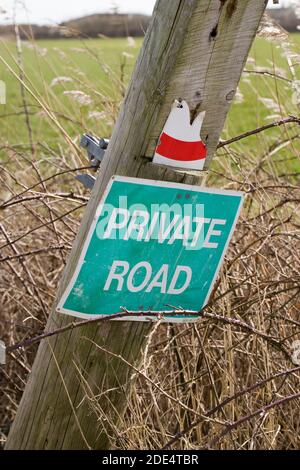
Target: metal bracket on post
(2,353)
(95,148)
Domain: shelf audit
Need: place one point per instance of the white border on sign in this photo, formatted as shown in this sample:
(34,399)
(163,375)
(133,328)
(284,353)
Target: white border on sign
(144,182)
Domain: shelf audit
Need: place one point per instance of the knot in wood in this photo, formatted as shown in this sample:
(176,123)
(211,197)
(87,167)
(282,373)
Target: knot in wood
(230,95)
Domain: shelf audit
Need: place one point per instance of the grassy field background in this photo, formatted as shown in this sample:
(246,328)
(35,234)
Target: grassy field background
(101,68)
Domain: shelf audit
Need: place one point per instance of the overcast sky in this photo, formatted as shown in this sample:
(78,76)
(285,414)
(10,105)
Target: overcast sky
(55,11)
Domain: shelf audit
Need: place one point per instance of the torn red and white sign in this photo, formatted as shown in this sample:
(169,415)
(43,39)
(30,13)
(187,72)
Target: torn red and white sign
(180,144)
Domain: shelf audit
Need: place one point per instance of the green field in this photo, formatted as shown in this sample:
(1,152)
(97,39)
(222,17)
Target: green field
(100,69)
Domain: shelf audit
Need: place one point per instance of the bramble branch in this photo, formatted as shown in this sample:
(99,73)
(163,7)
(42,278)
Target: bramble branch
(291,119)
(125,314)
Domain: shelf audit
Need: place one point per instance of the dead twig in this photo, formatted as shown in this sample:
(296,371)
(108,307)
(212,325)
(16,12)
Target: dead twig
(281,122)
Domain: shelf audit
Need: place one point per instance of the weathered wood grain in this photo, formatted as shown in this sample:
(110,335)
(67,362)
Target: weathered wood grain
(222,45)
(194,49)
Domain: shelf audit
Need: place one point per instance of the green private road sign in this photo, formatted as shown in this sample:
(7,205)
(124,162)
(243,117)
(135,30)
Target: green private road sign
(153,246)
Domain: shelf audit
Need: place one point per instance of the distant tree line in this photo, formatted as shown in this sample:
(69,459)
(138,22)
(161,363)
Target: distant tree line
(118,25)
(28,31)
(111,25)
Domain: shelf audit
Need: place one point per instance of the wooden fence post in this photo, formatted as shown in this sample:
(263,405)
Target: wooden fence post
(195,50)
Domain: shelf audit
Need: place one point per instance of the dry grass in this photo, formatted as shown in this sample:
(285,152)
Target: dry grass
(204,364)
(215,384)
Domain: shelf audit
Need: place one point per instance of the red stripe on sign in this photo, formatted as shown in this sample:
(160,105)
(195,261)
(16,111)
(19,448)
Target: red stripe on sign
(179,150)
